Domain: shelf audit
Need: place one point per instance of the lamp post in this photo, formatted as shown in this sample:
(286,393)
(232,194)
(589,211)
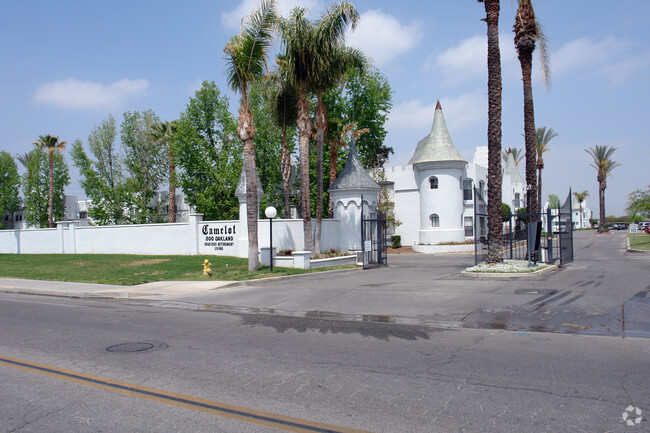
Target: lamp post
(270,213)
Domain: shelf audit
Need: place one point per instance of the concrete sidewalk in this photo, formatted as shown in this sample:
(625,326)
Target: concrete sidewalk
(156,290)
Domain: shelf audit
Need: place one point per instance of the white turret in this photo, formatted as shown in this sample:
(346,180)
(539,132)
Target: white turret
(439,171)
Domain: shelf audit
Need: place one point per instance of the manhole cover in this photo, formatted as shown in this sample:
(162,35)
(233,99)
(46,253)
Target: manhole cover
(130,347)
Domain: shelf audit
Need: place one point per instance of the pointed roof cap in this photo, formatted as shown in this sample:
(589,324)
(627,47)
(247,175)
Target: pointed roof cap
(511,169)
(241,186)
(437,146)
(354,176)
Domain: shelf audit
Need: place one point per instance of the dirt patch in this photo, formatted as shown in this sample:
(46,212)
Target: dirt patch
(401,250)
(146,262)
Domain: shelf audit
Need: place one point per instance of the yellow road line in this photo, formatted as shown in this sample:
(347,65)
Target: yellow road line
(239,413)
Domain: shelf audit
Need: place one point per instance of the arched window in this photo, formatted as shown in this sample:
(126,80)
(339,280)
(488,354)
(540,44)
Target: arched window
(433,182)
(434,220)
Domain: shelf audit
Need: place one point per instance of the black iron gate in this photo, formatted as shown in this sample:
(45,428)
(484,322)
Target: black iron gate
(480,227)
(565,231)
(373,239)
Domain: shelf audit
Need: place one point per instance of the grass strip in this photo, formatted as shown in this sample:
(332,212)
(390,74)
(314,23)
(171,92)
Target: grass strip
(639,241)
(128,269)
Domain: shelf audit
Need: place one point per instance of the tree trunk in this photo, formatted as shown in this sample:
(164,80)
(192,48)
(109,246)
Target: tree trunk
(495,226)
(172,187)
(304,130)
(285,166)
(333,164)
(526,60)
(246,130)
(601,197)
(50,200)
(321,127)
(540,167)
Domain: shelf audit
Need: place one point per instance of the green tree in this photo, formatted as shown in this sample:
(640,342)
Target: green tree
(209,154)
(554,201)
(268,144)
(102,177)
(145,164)
(9,186)
(36,187)
(495,225)
(604,164)
(246,55)
(506,212)
(638,203)
(51,144)
(542,137)
(527,34)
(365,98)
(162,134)
(285,115)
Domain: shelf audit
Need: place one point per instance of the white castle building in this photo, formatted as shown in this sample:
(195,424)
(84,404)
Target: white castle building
(434,192)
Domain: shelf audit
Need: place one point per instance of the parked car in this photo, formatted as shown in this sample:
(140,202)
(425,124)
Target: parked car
(647,229)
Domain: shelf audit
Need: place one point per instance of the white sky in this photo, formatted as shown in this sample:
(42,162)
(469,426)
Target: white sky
(68,64)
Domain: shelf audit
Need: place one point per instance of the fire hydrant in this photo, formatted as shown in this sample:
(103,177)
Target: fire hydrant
(206,267)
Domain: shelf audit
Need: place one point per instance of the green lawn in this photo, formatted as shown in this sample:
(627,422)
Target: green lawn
(126,269)
(640,241)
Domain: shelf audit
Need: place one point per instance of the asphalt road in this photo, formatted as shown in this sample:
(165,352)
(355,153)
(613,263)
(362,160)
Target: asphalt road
(388,350)
(350,375)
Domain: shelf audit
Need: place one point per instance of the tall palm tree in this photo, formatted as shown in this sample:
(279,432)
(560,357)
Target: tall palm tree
(527,34)
(300,54)
(495,226)
(336,62)
(542,137)
(604,164)
(246,55)
(581,196)
(162,134)
(516,154)
(51,144)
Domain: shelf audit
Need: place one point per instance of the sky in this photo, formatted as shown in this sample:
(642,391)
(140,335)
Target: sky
(67,65)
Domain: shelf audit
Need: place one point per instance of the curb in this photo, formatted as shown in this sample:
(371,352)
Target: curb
(549,268)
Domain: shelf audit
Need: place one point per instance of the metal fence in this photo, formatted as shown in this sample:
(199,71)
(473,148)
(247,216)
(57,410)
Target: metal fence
(549,243)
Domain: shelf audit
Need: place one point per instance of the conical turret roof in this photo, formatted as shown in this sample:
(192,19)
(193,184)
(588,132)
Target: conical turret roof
(240,191)
(437,146)
(354,175)
(511,169)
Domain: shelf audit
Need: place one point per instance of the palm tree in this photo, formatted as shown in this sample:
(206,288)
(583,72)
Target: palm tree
(581,196)
(246,62)
(298,40)
(604,164)
(495,226)
(527,34)
(162,134)
(542,137)
(335,62)
(51,144)
(516,154)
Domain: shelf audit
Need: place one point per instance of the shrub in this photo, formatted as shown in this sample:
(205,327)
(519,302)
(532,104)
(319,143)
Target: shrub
(396,241)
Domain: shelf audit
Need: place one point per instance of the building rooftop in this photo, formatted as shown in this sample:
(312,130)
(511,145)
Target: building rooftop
(437,146)
(354,175)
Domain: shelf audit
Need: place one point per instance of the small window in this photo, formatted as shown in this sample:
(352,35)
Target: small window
(467,189)
(83,215)
(433,182)
(469,226)
(434,220)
